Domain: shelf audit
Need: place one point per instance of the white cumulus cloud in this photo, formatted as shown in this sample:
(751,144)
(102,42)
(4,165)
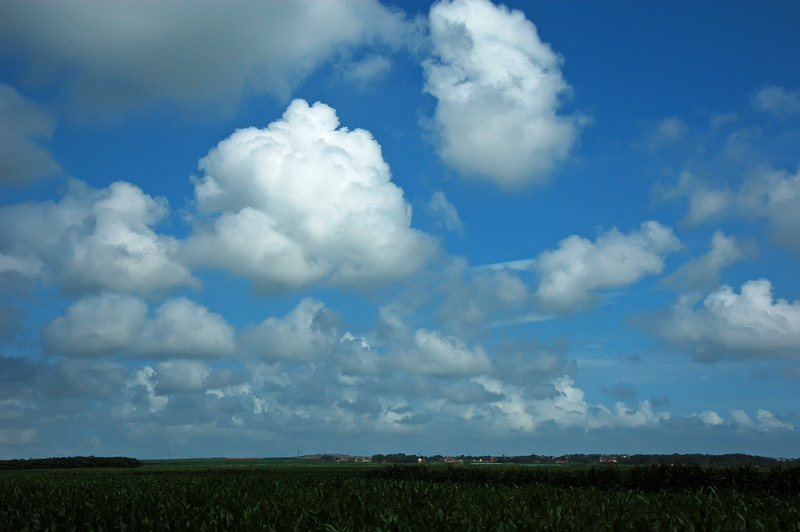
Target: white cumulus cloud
(750,324)
(568,407)
(305,201)
(765,421)
(112,323)
(711,418)
(569,274)
(498,89)
(94,240)
(308,332)
(182,327)
(768,421)
(119,56)
(565,406)
(434,353)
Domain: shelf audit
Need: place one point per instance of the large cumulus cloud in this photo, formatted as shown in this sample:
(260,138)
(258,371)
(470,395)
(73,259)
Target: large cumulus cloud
(748,324)
(111,323)
(498,89)
(118,56)
(93,240)
(303,201)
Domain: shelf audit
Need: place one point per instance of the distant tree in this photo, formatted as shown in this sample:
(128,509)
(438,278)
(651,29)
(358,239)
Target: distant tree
(71,462)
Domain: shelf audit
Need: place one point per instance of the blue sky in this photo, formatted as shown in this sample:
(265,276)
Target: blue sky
(348,226)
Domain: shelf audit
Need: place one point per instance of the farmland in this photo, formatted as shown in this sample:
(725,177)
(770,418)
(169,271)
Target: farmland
(290,495)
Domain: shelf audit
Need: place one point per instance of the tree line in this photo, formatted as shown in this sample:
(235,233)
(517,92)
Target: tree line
(70,462)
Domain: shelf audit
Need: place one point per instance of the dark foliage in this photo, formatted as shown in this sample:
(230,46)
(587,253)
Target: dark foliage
(154,501)
(779,480)
(70,462)
(396,458)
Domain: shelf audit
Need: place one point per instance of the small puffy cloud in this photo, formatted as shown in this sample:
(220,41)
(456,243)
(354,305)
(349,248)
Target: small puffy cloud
(777,100)
(113,323)
(434,353)
(94,240)
(206,55)
(305,201)
(750,324)
(307,332)
(767,193)
(446,211)
(702,273)
(668,130)
(768,421)
(765,421)
(710,417)
(636,417)
(740,417)
(498,89)
(569,274)
(22,126)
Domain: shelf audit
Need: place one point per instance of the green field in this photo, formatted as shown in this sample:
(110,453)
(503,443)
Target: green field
(290,494)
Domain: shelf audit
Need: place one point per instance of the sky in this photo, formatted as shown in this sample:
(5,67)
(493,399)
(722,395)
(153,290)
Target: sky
(460,227)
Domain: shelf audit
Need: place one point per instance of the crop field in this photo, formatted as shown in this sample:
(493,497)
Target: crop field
(329,498)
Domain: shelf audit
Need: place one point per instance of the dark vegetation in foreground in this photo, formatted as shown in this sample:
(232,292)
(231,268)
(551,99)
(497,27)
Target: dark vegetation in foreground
(70,462)
(647,479)
(383,498)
